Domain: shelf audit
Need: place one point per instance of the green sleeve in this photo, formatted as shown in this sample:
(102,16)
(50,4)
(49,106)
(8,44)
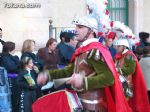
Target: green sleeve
(103,76)
(129,66)
(61,73)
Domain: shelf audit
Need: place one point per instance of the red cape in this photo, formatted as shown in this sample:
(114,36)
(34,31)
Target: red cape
(54,102)
(139,102)
(114,95)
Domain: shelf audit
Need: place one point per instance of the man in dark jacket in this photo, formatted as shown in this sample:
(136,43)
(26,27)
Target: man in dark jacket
(145,39)
(67,44)
(62,49)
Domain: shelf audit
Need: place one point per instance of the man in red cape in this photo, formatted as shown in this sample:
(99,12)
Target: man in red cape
(94,76)
(128,66)
(115,98)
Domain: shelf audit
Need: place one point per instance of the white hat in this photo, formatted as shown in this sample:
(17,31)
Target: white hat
(123,42)
(87,21)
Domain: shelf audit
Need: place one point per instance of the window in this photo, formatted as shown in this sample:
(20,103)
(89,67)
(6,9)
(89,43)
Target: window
(118,10)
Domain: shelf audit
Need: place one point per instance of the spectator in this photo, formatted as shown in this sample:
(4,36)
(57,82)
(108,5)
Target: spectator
(70,39)
(49,55)
(11,63)
(28,49)
(109,43)
(27,83)
(145,65)
(70,44)
(62,49)
(145,39)
(8,60)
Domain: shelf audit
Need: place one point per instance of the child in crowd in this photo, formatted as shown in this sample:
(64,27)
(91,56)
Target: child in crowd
(27,83)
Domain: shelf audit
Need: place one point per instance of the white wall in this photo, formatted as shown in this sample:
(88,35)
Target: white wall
(19,24)
(146,15)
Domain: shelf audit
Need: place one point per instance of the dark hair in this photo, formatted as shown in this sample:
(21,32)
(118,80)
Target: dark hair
(69,36)
(143,36)
(50,41)
(0,29)
(146,50)
(63,35)
(8,47)
(24,62)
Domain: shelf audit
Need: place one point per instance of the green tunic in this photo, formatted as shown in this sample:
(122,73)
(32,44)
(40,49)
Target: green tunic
(126,66)
(101,79)
(129,65)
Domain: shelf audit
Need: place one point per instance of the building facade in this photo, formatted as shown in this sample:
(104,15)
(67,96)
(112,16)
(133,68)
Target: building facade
(30,19)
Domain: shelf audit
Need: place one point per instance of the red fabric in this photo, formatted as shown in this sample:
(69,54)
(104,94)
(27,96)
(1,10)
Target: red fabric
(111,24)
(116,101)
(55,102)
(107,12)
(111,35)
(100,34)
(139,102)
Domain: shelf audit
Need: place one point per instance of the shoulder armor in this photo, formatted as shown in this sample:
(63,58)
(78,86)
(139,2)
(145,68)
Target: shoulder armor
(96,55)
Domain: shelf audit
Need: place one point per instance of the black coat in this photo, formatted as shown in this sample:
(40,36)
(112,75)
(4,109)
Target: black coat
(11,63)
(51,60)
(65,52)
(28,93)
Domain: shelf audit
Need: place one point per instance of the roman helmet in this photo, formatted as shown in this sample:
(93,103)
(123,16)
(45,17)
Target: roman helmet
(87,21)
(123,42)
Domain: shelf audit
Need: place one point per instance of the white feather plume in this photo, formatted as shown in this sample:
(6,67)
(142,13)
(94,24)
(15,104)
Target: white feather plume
(98,9)
(127,32)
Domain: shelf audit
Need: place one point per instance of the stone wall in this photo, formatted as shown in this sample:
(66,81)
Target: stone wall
(19,24)
(146,15)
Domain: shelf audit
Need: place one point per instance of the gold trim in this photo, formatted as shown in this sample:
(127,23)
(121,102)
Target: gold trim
(86,83)
(69,101)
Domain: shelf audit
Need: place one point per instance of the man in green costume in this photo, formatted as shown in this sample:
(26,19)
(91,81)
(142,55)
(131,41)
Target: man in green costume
(131,77)
(92,71)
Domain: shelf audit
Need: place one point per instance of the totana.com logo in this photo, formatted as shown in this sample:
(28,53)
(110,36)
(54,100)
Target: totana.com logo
(22,5)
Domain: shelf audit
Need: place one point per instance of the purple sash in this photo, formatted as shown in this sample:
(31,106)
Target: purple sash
(12,75)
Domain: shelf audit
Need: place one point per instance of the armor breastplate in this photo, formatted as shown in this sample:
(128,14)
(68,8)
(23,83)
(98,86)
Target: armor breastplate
(92,100)
(81,65)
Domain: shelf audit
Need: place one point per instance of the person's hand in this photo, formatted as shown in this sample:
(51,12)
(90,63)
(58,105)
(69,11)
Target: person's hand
(42,78)
(35,68)
(77,81)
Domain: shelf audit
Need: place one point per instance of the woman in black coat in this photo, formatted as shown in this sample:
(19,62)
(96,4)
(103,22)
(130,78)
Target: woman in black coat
(28,85)
(27,51)
(11,64)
